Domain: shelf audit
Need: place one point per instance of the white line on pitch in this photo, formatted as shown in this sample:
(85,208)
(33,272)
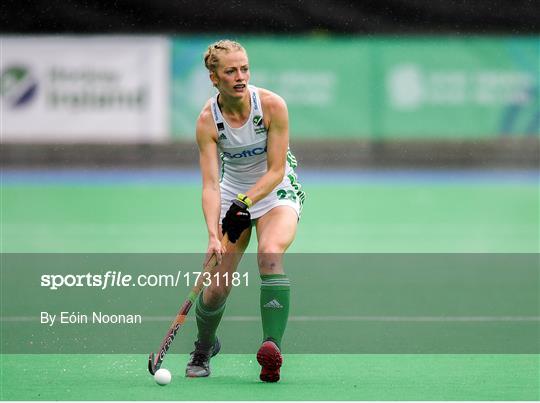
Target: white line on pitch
(331,318)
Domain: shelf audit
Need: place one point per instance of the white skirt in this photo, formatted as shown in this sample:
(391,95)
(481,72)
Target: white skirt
(288,193)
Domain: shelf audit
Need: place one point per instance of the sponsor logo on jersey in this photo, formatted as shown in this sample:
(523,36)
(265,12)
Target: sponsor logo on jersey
(246,153)
(222,136)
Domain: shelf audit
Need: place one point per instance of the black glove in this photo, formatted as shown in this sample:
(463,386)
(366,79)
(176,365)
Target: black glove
(236,220)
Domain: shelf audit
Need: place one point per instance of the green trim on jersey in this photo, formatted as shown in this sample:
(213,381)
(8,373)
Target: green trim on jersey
(293,179)
(291,159)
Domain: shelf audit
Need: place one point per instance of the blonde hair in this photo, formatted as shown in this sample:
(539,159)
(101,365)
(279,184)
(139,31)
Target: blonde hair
(211,59)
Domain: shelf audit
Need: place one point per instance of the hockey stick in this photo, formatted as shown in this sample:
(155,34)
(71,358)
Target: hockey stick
(154,361)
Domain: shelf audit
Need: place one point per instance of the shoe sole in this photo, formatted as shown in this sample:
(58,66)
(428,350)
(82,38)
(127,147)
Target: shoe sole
(193,375)
(269,357)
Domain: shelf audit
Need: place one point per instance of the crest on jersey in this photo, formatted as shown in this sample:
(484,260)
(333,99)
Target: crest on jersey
(257,120)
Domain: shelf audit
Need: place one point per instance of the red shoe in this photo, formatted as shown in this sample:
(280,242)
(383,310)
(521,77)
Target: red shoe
(270,359)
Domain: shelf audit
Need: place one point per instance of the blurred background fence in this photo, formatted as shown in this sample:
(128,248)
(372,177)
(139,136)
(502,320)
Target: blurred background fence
(394,84)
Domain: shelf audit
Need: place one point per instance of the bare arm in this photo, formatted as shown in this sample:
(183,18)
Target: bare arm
(208,161)
(277,145)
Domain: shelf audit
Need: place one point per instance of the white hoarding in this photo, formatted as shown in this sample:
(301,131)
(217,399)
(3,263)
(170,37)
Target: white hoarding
(84,89)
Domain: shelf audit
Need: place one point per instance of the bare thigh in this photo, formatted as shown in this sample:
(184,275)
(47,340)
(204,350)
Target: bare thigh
(275,233)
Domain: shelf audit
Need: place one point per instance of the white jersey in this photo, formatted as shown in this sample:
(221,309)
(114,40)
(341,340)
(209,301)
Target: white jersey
(243,156)
(243,149)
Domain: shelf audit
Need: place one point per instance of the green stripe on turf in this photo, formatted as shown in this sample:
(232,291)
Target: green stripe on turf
(376,218)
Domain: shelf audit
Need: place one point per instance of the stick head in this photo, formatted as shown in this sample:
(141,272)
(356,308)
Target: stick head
(153,366)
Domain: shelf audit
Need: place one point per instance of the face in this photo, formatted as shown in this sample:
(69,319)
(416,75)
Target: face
(232,74)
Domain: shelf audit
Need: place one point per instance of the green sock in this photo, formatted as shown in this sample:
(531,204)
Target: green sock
(207,321)
(275,296)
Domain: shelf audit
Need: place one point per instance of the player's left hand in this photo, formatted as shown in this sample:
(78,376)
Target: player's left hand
(236,220)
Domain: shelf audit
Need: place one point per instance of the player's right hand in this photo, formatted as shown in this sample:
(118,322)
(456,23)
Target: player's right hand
(236,220)
(215,247)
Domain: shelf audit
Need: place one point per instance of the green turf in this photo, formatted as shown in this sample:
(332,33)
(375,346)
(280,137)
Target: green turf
(374,218)
(305,377)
